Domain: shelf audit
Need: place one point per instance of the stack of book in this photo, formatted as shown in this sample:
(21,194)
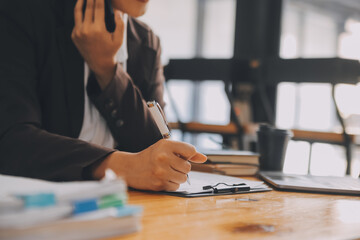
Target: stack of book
(229,162)
(37,209)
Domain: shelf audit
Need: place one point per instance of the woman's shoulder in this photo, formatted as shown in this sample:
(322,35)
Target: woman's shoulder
(142,32)
(25,12)
(33,6)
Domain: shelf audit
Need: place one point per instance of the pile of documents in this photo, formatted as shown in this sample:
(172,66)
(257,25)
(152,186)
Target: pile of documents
(37,209)
(229,162)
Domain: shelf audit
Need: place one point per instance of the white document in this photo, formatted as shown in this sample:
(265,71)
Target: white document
(199,180)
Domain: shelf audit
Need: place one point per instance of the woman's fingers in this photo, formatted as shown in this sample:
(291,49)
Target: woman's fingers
(181,165)
(78,13)
(119,29)
(188,152)
(99,13)
(170,186)
(198,158)
(177,177)
(184,150)
(89,12)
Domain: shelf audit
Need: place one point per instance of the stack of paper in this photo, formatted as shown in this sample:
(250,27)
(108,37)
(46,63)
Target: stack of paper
(37,209)
(229,162)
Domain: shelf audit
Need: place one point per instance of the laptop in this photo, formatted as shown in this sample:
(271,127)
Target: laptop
(310,183)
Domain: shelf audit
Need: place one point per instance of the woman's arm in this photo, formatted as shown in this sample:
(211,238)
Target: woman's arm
(26,149)
(109,87)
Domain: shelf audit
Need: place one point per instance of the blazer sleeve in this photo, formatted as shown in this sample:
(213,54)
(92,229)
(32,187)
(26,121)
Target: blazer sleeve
(125,111)
(123,104)
(26,149)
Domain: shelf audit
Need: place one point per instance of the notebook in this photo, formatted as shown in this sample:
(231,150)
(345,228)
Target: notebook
(310,183)
(232,156)
(226,169)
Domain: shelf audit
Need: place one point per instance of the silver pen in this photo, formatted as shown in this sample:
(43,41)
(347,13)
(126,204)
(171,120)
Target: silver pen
(160,120)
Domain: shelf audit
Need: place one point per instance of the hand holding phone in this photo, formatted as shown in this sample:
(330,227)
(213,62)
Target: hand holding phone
(109,15)
(93,37)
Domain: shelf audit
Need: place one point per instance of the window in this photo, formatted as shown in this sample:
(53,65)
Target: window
(175,23)
(202,28)
(310,28)
(313,31)
(219,26)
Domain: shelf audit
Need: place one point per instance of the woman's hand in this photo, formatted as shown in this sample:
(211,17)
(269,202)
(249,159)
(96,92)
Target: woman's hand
(97,46)
(162,166)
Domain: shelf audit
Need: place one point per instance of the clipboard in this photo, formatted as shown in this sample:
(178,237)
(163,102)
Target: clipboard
(209,184)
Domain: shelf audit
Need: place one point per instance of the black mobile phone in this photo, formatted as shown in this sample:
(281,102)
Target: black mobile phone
(109,15)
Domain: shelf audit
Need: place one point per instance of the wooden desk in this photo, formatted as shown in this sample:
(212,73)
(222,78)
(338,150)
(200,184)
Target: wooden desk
(277,215)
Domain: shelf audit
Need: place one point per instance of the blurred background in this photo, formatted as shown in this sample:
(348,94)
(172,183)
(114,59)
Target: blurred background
(206,29)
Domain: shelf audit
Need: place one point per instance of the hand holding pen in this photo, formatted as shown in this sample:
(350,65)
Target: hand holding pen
(156,168)
(161,167)
(160,120)
(168,170)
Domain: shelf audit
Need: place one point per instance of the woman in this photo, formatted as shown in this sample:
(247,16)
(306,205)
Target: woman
(70,91)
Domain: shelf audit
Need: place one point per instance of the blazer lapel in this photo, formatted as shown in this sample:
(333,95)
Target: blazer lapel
(141,57)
